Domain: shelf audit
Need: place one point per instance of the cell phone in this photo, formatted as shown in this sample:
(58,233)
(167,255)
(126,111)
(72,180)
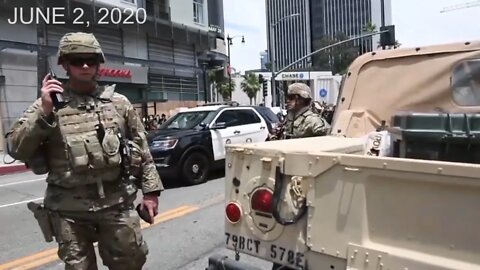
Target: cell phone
(57,97)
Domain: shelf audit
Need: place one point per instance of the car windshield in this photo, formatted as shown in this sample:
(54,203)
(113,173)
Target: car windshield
(186,120)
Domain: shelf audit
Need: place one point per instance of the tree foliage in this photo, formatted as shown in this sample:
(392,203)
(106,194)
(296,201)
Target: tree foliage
(338,58)
(250,85)
(225,90)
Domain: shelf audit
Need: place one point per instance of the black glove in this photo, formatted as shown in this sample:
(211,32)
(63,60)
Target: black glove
(144,214)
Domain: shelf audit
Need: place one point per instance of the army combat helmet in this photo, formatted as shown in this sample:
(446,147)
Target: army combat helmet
(300,89)
(79,42)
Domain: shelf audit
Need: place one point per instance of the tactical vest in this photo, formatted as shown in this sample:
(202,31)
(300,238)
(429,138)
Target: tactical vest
(86,150)
(293,124)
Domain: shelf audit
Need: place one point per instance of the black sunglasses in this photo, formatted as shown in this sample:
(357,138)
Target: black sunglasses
(79,61)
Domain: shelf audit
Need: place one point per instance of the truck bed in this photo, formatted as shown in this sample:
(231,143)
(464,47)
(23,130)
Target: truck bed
(308,145)
(363,211)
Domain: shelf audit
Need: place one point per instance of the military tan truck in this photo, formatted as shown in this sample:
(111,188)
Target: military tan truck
(409,199)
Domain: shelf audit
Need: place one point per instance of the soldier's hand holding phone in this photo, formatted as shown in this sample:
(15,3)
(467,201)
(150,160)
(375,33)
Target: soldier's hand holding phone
(50,86)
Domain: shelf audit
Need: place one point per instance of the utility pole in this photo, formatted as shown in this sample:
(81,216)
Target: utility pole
(383,17)
(272,59)
(205,81)
(229,67)
(272,68)
(42,55)
(229,42)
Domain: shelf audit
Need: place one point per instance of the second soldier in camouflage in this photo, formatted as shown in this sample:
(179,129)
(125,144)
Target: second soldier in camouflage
(301,120)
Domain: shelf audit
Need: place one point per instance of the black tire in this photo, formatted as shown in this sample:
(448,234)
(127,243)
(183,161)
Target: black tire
(195,168)
(277,266)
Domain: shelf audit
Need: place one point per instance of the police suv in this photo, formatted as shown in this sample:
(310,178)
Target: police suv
(191,143)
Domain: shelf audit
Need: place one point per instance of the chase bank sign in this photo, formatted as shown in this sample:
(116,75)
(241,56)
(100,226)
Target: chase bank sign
(287,76)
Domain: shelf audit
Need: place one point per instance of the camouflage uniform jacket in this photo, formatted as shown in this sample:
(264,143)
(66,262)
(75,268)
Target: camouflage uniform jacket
(84,171)
(305,123)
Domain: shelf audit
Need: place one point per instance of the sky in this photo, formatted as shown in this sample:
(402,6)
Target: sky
(417,23)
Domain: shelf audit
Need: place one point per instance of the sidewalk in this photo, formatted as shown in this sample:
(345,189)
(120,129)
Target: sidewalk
(7,167)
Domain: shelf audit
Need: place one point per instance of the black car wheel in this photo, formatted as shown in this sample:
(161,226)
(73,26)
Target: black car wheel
(277,266)
(195,168)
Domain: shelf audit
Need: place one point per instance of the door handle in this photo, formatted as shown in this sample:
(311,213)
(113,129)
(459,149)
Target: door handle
(236,132)
(262,127)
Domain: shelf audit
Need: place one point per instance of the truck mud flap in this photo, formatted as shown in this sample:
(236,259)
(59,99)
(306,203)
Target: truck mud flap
(220,262)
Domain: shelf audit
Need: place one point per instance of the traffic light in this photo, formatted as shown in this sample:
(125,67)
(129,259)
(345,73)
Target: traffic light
(263,82)
(387,38)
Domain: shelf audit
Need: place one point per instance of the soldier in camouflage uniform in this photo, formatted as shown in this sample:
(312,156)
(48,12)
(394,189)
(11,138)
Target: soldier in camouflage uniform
(301,120)
(89,197)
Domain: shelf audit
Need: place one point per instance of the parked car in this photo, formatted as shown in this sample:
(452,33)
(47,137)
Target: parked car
(192,143)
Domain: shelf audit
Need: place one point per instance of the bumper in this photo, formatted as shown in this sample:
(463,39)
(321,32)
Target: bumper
(167,163)
(220,262)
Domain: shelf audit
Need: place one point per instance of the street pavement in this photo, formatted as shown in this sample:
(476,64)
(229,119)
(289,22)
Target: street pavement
(188,229)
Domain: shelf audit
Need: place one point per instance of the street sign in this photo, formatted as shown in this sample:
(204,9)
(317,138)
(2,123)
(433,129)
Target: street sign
(292,76)
(323,92)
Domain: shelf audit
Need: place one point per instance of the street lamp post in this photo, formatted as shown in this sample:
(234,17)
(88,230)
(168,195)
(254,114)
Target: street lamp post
(229,42)
(382,8)
(272,55)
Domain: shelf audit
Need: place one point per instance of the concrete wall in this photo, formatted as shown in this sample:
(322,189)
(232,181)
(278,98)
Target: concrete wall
(16,32)
(182,13)
(135,43)
(221,46)
(20,88)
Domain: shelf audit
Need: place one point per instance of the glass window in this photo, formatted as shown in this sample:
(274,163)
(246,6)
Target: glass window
(247,117)
(269,114)
(230,118)
(466,83)
(150,8)
(198,11)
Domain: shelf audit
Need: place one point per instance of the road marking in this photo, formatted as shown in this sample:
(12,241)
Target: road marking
(50,255)
(27,201)
(22,182)
(177,212)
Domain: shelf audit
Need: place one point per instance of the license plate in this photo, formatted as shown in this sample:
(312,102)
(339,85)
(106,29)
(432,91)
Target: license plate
(268,251)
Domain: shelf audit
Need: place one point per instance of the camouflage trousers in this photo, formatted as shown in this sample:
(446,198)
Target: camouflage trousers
(117,231)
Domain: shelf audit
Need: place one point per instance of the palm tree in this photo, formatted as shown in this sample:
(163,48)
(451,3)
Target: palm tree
(224,89)
(250,85)
(369,27)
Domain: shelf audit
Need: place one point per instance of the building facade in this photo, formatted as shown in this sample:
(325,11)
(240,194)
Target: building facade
(264,60)
(288,37)
(159,61)
(295,36)
(349,17)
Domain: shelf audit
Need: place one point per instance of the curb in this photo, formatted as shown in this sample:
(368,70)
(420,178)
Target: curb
(13,168)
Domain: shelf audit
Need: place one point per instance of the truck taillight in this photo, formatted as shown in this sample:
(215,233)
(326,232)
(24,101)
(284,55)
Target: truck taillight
(262,200)
(233,212)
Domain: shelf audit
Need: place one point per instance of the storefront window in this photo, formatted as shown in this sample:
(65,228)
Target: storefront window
(466,83)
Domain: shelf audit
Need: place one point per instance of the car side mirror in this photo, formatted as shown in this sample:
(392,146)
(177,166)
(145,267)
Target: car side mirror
(219,125)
